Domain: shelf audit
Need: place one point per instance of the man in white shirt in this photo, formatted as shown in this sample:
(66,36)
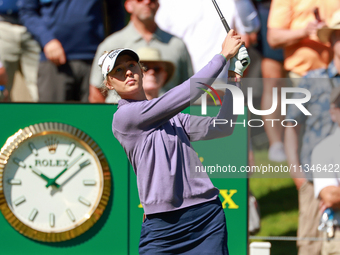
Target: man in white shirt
(198,24)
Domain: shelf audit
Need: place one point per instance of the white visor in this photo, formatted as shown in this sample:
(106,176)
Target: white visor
(108,60)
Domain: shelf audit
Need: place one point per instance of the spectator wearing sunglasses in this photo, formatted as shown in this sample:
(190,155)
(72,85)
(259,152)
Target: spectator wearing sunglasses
(142,31)
(157,72)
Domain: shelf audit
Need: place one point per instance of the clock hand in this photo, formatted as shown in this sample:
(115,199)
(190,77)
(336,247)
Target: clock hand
(37,172)
(52,181)
(81,166)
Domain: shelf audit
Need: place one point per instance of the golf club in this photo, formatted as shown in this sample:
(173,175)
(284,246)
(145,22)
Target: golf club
(226,26)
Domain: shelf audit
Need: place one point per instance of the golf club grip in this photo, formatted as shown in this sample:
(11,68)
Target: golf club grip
(244,61)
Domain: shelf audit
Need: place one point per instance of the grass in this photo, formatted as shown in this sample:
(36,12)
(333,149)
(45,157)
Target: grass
(278,201)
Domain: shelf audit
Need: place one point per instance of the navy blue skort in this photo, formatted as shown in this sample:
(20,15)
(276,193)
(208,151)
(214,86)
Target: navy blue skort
(199,229)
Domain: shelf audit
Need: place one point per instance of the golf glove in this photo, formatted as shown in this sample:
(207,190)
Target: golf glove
(235,62)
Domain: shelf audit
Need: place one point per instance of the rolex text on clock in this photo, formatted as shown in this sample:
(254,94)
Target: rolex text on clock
(55,182)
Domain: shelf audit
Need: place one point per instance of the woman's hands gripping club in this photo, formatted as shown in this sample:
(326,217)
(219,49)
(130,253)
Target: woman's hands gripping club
(232,50)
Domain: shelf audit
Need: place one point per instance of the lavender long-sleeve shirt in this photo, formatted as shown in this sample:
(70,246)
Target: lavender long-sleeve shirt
(156,138)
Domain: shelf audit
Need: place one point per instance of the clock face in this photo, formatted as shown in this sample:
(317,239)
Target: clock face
(54,181)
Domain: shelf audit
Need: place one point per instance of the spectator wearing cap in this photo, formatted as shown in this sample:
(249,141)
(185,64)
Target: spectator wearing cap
(157,72)
(156,138)
(142,31)
(318,126)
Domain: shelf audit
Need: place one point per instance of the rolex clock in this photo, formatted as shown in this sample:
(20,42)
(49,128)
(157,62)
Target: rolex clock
(54,182)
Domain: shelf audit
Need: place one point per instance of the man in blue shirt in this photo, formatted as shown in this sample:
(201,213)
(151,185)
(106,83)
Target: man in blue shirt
(69,32)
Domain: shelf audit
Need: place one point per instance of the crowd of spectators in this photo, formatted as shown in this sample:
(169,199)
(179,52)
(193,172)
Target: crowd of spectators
(55,46)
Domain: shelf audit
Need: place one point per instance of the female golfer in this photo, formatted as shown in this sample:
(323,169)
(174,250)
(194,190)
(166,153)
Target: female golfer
(183,214)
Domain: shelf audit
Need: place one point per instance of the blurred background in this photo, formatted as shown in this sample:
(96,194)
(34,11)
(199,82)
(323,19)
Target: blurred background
(49,52)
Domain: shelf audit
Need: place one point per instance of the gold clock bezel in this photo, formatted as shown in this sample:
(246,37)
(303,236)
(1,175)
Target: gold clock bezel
(45,128)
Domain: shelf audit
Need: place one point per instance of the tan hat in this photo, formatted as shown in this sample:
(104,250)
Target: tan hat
(153,55)
(325,32)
